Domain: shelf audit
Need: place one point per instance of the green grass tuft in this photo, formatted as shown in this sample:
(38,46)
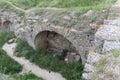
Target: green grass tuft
(7,64)
(26,76)
(5,36)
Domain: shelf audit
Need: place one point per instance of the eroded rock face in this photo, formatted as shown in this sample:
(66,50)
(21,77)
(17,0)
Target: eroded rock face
(105,62)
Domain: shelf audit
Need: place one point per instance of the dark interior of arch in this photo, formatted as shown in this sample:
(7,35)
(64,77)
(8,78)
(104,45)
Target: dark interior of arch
(7,24)
(56,44)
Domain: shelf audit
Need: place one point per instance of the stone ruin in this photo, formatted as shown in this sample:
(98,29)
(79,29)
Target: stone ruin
(65,31)
(56,31)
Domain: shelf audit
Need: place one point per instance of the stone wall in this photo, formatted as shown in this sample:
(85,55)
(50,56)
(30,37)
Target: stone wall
(75,27)
(103,62)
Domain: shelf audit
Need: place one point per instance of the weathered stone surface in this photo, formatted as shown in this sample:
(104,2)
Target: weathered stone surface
(8,20)
(20,33)
(93,58)
(105,66)
(89,13)
(89,68)
(73,14)
(69,58)
(116,72)
(108,32)
(77,57)
(11,41)
(87,76)
(114,22)
(107,36)
(111,45)
(67,17)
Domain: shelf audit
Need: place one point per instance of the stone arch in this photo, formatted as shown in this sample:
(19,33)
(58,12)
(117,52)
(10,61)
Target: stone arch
(71,35)
(56,44)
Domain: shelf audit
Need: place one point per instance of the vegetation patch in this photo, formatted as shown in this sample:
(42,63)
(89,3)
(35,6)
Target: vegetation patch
(71,71)
(101,65)
(5,36)
(116,56)
(82,5)
(116,53)
(7,64)
(26,76)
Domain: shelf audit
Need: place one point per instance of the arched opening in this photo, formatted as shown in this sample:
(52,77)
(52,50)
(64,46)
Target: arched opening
(0,22)
(57,44)
(7,25)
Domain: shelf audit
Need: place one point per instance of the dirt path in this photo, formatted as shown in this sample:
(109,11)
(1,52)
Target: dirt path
(28,66)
